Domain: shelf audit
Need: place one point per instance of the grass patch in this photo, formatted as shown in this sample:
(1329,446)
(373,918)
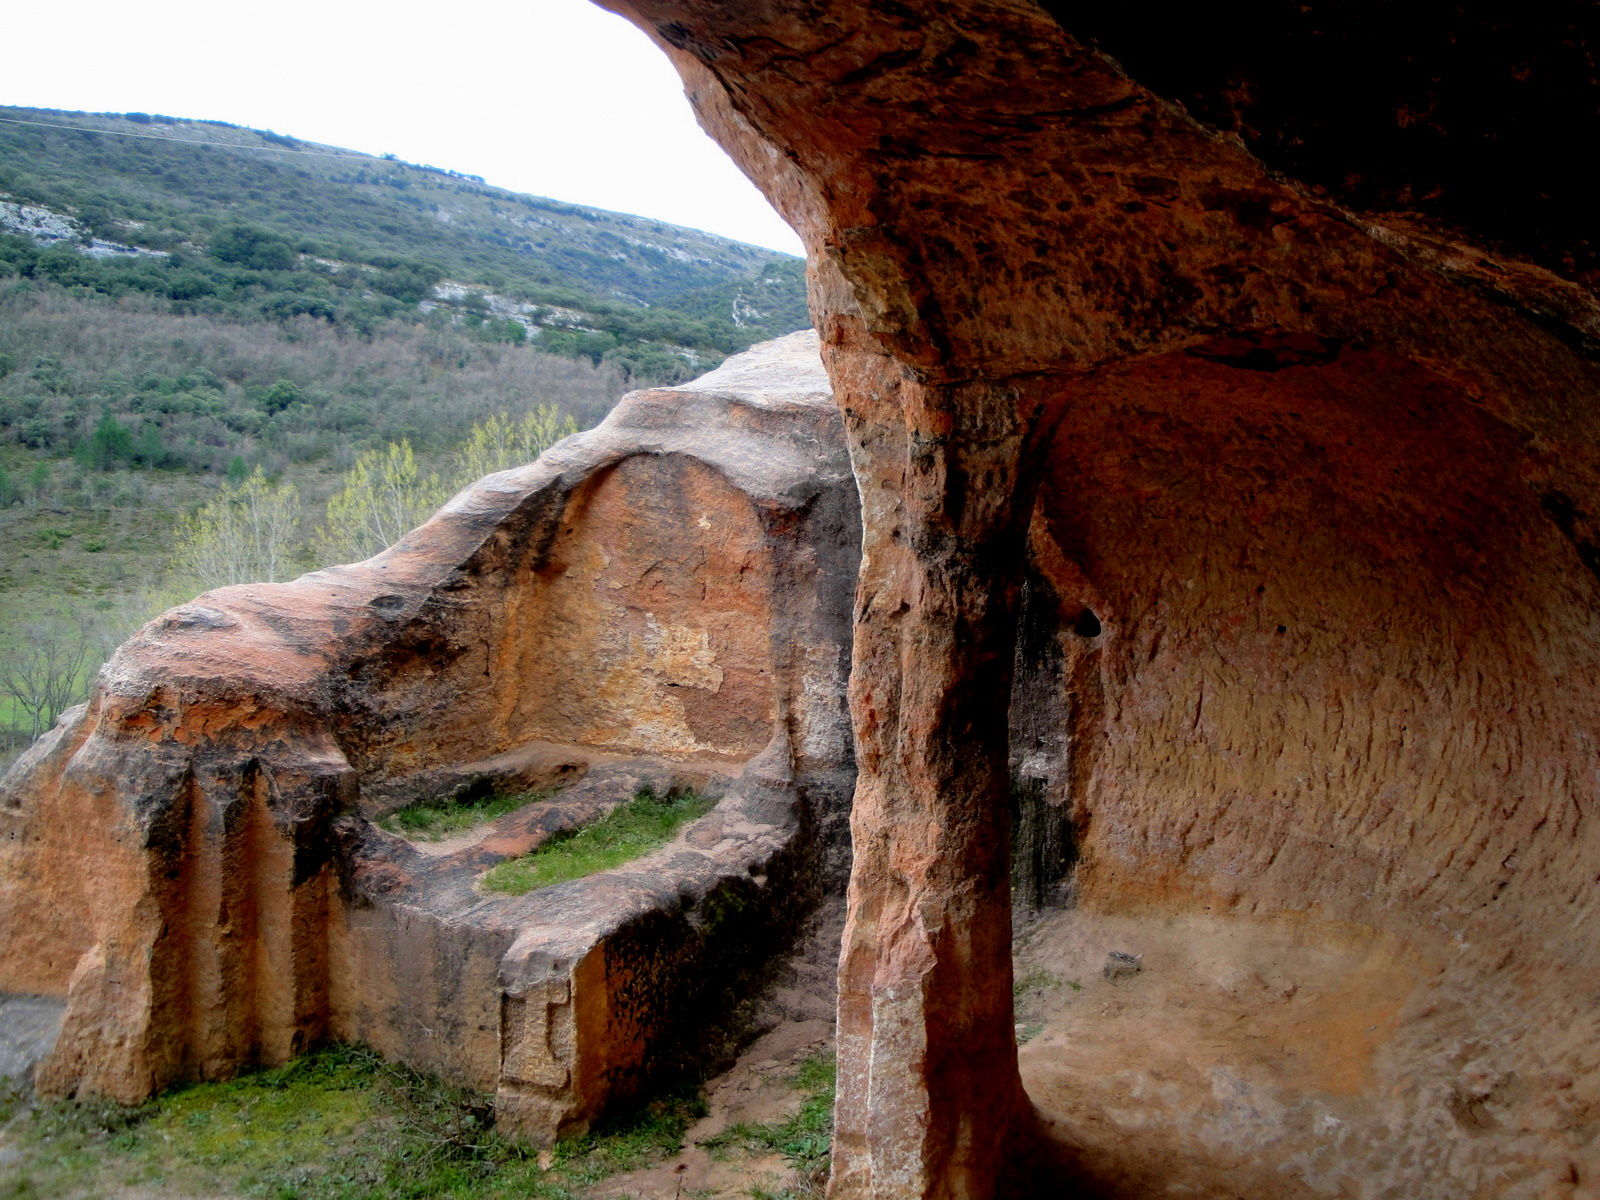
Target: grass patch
(628,1143)
(434,820)
(1036,980)
(627,832)
(805,1139)
(337,1125)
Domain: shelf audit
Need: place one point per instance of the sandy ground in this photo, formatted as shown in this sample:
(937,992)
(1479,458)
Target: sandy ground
(755,1091)
(1178,1056)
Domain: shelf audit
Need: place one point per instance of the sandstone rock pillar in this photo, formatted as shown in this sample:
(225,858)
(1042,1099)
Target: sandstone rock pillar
(929,1096)
(823,104)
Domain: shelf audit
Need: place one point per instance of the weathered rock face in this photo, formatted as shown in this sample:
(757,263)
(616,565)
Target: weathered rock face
(1311,492)
(1335,694)
(188,861)
(1239,538)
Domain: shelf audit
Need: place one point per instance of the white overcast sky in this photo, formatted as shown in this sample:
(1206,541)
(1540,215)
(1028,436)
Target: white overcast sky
(553,97)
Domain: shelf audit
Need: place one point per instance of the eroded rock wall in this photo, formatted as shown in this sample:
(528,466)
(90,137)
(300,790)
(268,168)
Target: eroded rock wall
(188,860)
(1338,694)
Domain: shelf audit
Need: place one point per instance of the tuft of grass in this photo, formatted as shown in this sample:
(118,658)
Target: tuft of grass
(1036,980)
(805,1139)
(434,820)
(339,1124)
(627,832)
(628,1142)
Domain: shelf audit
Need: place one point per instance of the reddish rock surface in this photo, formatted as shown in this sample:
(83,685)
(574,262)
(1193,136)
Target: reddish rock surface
(1229,577)
(1323,479)
(187,862)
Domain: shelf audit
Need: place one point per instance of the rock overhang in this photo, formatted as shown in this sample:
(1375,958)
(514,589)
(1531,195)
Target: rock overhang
(988,273)
(1015,210)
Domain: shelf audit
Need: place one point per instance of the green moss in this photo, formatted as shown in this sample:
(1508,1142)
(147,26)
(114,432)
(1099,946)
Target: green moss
(1036,980)
(337,1125)
(431,820)
(805,1139)
(627,832)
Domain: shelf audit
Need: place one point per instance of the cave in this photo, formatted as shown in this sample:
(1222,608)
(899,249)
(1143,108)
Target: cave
(1270,335)
(1215,401)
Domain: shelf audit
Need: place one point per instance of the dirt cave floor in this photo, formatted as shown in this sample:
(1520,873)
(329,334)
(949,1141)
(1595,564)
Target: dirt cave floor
(1165,1057)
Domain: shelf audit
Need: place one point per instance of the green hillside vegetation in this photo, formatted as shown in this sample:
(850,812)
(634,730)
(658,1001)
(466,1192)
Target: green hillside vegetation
(246,222)
(200,308)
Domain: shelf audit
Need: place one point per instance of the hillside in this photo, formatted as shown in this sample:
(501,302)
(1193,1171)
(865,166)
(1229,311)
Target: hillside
(216,218)
(183,303)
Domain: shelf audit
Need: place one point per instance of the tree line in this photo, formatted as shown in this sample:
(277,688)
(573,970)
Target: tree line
(131,385)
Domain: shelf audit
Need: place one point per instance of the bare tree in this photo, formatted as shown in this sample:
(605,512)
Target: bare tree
(250,533)
(48,670)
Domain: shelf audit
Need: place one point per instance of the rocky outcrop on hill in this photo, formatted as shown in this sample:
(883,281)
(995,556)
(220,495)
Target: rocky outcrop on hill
(190,861)
(1305,640)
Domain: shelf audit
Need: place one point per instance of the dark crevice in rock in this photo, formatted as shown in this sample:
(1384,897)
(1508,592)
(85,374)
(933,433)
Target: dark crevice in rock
(1269,350)
(1564,512)
(1474,115)
(1043,843)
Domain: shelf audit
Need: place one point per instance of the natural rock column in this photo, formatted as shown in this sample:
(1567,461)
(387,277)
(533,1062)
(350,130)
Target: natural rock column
(942,444)
(928,1088)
